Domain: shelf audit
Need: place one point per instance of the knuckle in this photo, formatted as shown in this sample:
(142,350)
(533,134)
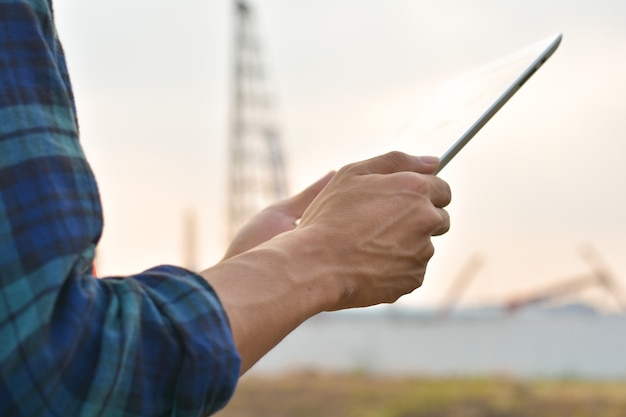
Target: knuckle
(428,251)
(418,280)
(406,286)
(445,221)
(346,169)
(435,221)
(396,157)
(444,189)
(412,182)
(431,218)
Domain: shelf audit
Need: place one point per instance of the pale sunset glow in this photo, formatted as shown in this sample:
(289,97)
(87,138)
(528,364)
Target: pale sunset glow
(545,176)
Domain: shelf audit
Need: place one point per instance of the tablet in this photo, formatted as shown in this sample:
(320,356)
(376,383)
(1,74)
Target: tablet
(458,109)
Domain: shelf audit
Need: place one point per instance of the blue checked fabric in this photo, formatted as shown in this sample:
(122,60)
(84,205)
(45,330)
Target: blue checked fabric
(154,344)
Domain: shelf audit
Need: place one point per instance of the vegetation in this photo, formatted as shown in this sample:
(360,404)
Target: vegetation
(324,395)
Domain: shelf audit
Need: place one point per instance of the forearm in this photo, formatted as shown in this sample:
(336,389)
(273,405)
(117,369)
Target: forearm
(270,290)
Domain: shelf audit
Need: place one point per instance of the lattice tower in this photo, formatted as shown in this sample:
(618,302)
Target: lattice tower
(256,165)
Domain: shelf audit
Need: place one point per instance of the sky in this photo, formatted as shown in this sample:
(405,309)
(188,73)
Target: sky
(543,178)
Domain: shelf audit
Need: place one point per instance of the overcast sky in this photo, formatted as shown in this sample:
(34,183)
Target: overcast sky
(546,175)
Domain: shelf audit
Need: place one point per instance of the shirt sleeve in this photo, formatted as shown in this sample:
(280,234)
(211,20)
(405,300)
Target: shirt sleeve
(157,343)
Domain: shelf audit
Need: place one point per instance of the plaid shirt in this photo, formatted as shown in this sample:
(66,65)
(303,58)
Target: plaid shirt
(157,343)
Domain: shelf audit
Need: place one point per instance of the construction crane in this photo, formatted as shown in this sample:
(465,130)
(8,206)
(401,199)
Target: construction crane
(256,161)
(599,276)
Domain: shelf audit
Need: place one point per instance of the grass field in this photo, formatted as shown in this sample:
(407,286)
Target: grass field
(317,395)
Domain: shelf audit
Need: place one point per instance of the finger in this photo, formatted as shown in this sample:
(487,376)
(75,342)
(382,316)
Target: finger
(444,224)
(434,188)
(297,204)
(440,193)
(396,162)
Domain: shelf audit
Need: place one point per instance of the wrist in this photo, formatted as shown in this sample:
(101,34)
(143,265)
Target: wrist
(269,290)
(304,259)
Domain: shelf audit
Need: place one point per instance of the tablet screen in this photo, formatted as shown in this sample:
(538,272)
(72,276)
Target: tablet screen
(456,110)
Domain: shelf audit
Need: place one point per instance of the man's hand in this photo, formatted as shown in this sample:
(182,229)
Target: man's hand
(275,219)
(373,224)
(363,239)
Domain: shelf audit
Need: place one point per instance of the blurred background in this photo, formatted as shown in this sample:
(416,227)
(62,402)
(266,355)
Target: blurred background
(537,239)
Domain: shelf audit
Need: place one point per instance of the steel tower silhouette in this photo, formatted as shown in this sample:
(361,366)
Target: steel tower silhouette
(256,162)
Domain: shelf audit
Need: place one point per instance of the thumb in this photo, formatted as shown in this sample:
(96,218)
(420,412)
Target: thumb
(297,204)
